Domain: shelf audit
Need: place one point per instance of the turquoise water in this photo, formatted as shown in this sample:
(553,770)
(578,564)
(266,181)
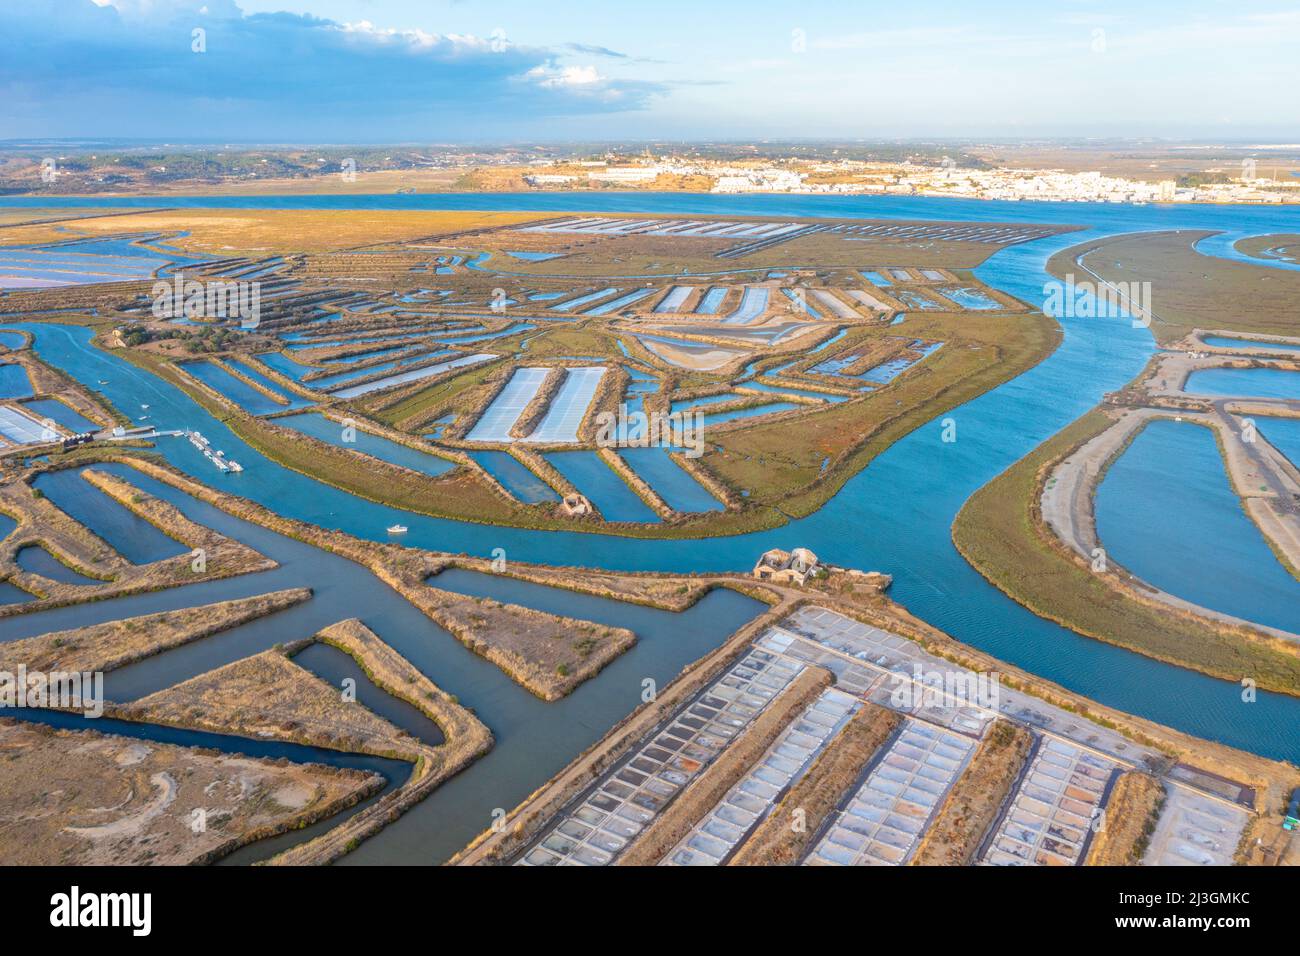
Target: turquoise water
(1283,434)
(604,489)
(1198,543)
(54,409)
(907,536)
(678,489)
(376,446)
(1253,382)
(516,478)
(1223,342)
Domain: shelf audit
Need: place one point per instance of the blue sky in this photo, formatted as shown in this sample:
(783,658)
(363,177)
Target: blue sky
(345,71)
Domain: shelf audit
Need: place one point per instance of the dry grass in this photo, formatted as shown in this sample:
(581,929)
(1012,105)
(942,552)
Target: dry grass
(113,644)
(973,803)
(267,695)
(84,798)
(256,232)
(1131,818)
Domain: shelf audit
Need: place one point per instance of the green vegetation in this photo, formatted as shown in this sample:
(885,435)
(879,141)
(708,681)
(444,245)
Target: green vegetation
(780,463)
(1190,290)
(999,533)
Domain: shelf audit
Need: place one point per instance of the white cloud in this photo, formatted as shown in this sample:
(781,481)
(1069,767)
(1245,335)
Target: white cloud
(550,77)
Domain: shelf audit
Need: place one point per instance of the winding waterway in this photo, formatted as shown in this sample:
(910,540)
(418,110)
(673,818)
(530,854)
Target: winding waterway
(895,516)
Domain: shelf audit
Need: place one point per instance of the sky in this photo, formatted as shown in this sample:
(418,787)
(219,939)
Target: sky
(467,71)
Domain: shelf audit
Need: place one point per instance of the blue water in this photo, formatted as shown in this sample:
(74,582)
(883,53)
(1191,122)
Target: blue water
(753,302)
(753,411)
(972,299)
(604,489)
(1283,434)
(514,476)
(583,300)
(335,666)
(621,302)
(918,300)
(536,256)
(534,739)
(1198,543)
(484,336)
(12,594)
(37,560)
(293,400)
(376,446)
(1224,246)
(1223,342)
(11,340)
(674,485)
(1253,382)
(685,403)
(54,409)
(127,533)
(907,536)
(875,278)
(284,365)
(245,396)
(362,356)
(14,382)
(711,301)
(829,342)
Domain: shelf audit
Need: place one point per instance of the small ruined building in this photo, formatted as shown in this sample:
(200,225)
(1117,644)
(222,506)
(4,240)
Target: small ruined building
(786,567)
(575,505)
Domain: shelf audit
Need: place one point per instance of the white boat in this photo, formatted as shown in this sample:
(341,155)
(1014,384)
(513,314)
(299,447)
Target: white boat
(235,466)
(397,529)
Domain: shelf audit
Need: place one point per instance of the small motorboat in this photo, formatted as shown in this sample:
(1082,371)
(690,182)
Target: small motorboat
(397,529)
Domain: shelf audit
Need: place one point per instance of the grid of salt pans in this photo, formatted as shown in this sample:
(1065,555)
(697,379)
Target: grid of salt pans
(883,822)
(631,795)
(1049,818)
(712,840)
